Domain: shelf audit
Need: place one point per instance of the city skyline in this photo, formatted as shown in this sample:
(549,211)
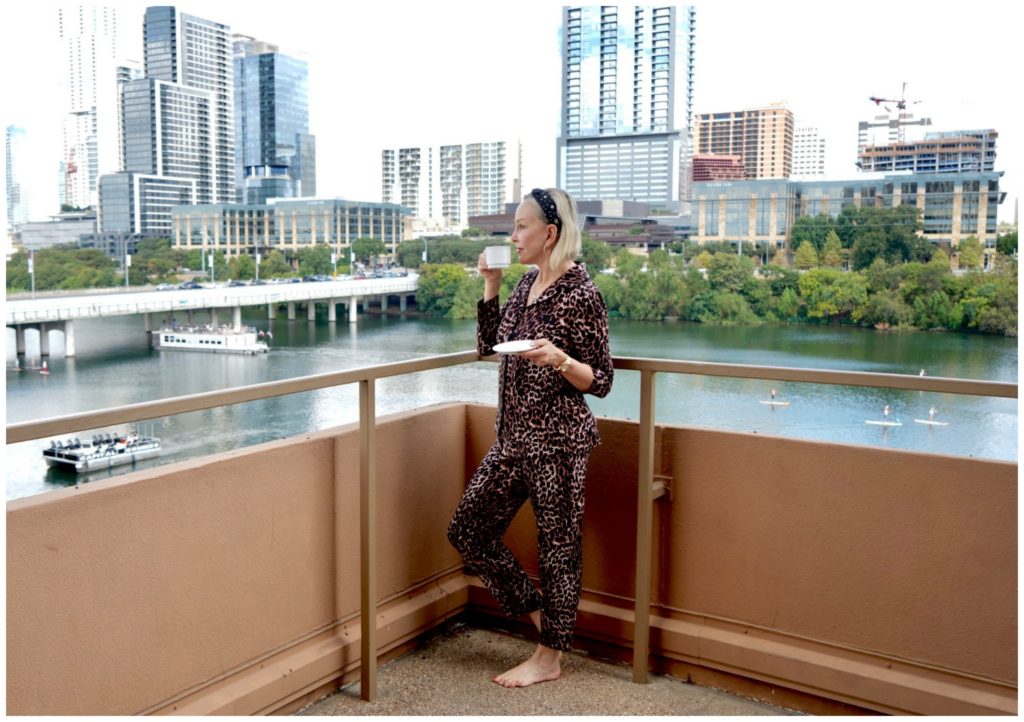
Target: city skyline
(457,81)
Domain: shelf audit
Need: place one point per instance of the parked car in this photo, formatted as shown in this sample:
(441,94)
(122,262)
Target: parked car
(165,287)
(237,282)
(190,284)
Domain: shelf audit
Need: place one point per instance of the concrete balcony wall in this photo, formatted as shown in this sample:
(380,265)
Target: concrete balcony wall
(169,589)
(882,579)
(878,578)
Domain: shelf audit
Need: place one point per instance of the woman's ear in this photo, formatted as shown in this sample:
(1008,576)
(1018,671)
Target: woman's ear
(552,237)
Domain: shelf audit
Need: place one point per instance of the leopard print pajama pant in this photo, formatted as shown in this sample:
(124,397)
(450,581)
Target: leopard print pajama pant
(554,484)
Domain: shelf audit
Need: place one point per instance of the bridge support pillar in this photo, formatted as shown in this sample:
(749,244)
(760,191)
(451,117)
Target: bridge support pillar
(332,310)
(311,310)
(19,339)
(189,318)
(271,311)
(291,310)
(213,317)
(401,303)
(353,311)
(384,303)
(236,320)
(69,338)
(366,304)
(44,339)
(147,319)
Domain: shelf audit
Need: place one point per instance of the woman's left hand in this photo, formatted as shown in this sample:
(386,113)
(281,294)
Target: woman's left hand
(545,353)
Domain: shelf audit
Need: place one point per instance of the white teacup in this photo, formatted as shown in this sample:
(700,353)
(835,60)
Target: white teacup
(498,256)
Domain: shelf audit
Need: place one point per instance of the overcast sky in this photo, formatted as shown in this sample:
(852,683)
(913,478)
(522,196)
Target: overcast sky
(383,74)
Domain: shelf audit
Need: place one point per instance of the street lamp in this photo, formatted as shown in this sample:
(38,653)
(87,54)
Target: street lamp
(32,271)
(257,266)
(127,265)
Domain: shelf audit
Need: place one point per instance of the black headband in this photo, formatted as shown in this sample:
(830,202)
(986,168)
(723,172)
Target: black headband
(547,206)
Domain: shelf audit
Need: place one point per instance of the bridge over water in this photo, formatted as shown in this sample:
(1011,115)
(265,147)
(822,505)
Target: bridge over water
(58,313)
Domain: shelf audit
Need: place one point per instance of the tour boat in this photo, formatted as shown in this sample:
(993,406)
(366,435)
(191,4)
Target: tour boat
(212,339)
(103,451)
(884,423)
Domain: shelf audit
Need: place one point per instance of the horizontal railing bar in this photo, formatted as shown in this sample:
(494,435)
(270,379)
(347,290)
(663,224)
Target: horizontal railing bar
(818,376)
(26,431)
(212,399)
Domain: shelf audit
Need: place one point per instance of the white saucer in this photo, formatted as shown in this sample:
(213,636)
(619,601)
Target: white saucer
(514,346)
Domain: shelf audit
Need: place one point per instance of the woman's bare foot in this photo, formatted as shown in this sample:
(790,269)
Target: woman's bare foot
(543,665)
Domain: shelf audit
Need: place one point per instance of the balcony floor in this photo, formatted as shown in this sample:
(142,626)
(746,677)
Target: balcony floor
(451,675)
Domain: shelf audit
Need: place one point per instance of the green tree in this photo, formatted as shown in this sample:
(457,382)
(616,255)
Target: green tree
(316,260)
(728,272)
(596,255)
(242,267)
(365,249)
(439,284)
(274,265)
(806,256)
(970,253)
(469,292)
(884,309)
(831,294)
(788,305)
(612,291)
(628,264)
(832,251)
(811,228)
(1007,243)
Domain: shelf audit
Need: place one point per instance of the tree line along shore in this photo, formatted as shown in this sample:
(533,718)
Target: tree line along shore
(867,267)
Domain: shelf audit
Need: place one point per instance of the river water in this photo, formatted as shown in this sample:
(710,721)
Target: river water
(114,366)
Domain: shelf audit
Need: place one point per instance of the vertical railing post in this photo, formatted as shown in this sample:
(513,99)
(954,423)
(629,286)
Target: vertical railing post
(644,516)
(367,542)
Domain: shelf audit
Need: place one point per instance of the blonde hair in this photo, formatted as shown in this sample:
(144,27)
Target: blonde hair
(570,237)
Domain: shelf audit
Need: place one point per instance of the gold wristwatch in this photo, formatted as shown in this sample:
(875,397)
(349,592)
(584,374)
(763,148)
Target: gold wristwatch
(564,366)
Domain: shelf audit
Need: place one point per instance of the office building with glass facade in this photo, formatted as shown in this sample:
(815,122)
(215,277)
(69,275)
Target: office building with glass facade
(953,206)
(276,155)
(286,225)
(627,103)
(139,204)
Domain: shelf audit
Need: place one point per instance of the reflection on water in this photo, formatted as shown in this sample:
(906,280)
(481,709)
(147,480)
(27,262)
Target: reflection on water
(115,367)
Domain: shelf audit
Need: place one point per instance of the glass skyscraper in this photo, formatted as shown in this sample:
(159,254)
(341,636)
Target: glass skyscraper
(276,155)
(627,102)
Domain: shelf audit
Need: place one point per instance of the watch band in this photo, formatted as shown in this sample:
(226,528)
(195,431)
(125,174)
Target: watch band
(564,366)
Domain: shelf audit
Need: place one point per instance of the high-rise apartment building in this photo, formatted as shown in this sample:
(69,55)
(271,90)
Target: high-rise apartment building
(177,125)
(763,137)
(627,102)
(14,167)
(808,153)
(275,156)
(447,184)
(91,49)
(953,151)
(197,54)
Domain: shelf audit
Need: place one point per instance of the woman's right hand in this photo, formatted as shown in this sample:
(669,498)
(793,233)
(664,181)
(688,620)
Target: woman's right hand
(491,276)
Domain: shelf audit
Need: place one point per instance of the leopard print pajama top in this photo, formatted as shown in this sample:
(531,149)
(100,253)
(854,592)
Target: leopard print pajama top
(539,411)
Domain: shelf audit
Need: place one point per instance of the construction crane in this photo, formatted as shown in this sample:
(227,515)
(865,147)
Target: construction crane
(900,104)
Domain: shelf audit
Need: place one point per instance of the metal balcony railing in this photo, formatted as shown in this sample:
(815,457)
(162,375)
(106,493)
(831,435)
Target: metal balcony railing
(648,490)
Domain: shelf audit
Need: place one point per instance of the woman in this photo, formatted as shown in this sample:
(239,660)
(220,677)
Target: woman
(545,430)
